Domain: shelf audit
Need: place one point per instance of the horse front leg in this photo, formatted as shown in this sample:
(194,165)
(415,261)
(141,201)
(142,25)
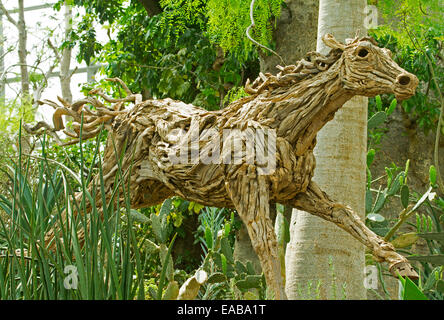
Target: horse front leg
(317,202)
(250,195)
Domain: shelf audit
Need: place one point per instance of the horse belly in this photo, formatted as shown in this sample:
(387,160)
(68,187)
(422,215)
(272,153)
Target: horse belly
(201,183)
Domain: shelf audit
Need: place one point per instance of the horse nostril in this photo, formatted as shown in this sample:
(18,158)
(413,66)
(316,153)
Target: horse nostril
(405,85)
(403,79)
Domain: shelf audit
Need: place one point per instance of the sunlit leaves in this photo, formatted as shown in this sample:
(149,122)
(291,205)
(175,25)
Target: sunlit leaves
(414,32)
(225,21)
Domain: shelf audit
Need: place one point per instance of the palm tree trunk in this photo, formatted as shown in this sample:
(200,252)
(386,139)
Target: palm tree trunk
(323,261)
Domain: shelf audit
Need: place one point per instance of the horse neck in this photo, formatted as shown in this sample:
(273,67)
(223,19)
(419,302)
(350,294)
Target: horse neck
(297,112)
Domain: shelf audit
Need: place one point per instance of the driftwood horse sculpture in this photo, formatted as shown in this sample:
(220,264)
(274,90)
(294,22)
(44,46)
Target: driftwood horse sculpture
(281,115)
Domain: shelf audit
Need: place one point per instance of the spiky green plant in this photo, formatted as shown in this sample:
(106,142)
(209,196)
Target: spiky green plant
(107,266)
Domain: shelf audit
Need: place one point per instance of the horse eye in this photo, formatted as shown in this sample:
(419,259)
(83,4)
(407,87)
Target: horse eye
(363,53)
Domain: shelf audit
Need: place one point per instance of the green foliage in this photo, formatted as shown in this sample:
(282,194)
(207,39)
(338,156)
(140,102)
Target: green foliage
(376,118)
(228,278)
(409,290)
(396,180)
(228,20)
(117,260)
(234,94)
(225,21)
(416,15)
(108,265)
(106,11)
(87,45)
(179,14)
(168,55)
(78,159)
(429,226)
(11,115)
(432,264)
(165,257)
(413,32)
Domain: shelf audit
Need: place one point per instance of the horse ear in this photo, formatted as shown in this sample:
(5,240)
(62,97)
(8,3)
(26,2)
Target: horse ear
(331,42)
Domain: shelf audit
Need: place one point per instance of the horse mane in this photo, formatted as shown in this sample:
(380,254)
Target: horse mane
(312,64)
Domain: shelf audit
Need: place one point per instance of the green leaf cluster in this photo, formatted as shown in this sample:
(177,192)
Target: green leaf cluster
(412,30)
(162,57)
(226,21)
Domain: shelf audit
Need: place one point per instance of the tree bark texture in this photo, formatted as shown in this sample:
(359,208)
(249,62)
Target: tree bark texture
(295,33)
(340,170)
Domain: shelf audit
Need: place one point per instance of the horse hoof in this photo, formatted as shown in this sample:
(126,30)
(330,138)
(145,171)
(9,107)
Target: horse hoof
(404,269)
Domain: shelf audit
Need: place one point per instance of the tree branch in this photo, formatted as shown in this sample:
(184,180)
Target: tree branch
(8,16)
(54,49)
